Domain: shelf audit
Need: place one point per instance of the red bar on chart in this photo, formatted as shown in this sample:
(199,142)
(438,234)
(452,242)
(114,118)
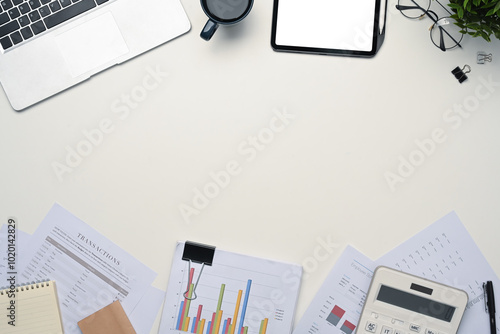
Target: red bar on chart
(335,316)
(348,327)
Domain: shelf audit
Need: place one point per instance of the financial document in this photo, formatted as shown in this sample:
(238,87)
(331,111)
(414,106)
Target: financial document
(337,306)
(91,271)
(445,252)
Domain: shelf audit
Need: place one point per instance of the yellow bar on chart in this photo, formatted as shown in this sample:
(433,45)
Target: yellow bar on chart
(263,326)
(188,304)
(236,310)
(219,317)
(201,326)
(186,324)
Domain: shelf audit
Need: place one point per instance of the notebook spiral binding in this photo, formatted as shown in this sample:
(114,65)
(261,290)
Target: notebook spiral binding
(25,287)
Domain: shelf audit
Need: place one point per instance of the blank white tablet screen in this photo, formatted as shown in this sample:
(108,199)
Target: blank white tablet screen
(327,24)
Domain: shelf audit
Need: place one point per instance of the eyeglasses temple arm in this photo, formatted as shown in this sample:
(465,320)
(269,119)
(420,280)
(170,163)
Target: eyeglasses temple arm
(447,33)
(441,40)
(402,7)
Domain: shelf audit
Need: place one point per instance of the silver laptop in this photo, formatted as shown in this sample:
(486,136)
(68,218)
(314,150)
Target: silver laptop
(47,46)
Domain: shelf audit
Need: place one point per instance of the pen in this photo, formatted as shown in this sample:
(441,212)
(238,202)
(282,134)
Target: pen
(490,305)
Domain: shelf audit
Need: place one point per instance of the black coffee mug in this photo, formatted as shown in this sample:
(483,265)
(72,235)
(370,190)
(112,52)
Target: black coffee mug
(223,12)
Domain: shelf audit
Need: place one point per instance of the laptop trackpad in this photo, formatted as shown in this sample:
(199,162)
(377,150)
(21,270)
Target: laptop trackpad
(92,44)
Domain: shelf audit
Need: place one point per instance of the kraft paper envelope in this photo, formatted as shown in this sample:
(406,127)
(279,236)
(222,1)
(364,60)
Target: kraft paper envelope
(109,320)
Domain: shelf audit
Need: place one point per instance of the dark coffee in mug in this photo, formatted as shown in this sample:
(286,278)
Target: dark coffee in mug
(227,10)
(224,12)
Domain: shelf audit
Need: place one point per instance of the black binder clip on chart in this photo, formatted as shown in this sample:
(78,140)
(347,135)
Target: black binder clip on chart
(197,253)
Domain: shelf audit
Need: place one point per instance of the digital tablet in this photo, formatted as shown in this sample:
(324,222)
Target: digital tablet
(330,27)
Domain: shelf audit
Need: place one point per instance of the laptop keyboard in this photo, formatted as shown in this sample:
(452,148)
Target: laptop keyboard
(21,20)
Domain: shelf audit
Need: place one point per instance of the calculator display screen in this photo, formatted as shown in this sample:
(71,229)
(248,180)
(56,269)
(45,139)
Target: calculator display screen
(415,303)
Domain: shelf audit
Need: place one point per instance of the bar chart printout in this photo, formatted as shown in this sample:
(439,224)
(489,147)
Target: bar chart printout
(238,294)
(229,326)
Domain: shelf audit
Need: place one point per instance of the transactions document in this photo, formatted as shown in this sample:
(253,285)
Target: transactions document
(91,271)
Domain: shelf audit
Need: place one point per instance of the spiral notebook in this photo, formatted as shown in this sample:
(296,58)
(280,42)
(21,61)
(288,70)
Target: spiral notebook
(32,308)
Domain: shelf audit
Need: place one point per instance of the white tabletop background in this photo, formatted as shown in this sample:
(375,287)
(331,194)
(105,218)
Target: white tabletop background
(320,176)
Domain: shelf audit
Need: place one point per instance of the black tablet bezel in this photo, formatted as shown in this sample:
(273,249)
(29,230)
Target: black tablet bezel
(377,40)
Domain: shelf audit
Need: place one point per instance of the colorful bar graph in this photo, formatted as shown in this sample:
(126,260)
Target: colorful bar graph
(218,324)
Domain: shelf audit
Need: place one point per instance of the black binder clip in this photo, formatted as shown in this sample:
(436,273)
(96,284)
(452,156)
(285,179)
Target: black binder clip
(198,253)
(460,73)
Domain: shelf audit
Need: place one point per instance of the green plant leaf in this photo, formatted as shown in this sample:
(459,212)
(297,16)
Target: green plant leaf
(477,17)
(473,26)
(485,36)
(497,7)
(488,5)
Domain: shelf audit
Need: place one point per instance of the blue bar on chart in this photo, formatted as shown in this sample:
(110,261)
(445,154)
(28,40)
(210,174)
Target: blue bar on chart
(245,302)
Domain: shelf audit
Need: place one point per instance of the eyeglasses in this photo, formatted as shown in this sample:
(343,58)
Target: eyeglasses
(445,34)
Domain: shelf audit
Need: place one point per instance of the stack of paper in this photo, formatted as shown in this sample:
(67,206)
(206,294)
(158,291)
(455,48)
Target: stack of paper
(91,272)
(443,252)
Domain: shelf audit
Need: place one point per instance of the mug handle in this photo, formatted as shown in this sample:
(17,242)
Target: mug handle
(209,29)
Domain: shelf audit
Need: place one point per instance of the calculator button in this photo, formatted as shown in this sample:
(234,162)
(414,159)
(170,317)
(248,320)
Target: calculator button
(430,331)
(398,322)
(371,326)
(398,331)
(415,328)
(387,330)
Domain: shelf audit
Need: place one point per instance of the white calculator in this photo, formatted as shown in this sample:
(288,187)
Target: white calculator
(400,303)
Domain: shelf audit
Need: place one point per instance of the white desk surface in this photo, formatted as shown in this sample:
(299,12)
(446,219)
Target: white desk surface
(322,175)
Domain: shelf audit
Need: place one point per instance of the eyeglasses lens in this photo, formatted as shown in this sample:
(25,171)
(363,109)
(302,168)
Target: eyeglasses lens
(414,9)
(446,32)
